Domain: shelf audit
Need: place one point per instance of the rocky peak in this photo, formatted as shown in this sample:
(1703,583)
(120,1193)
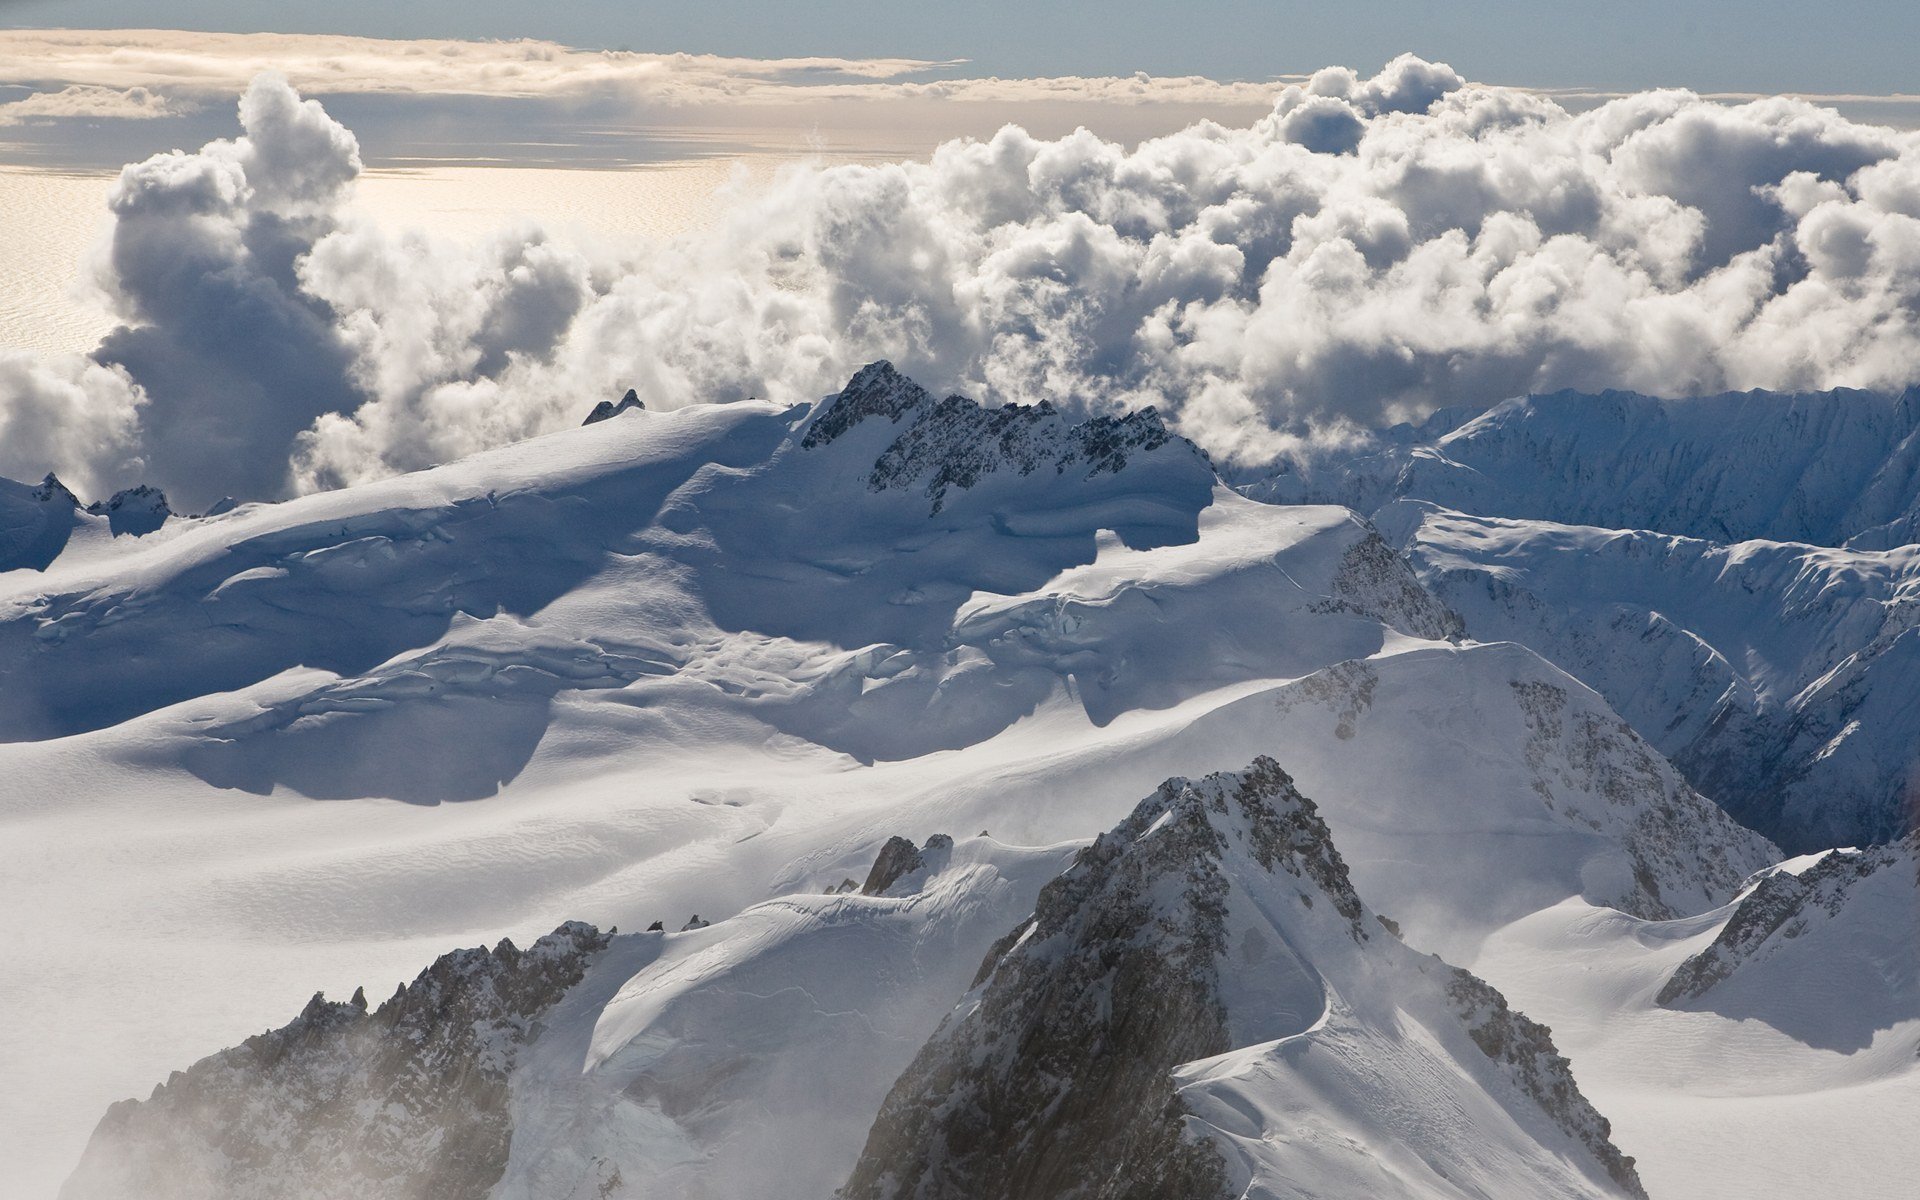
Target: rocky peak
(1167,988)
(51,490)
(1017,1096)
(957,442)
(900,858)
(1780,908)
(876,390)
(135,510)
(607,409)
(408,1101)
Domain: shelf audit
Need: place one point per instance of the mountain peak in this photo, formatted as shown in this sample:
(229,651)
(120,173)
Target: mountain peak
(876,390)
(1189,1003)
(607,409)
(956,443)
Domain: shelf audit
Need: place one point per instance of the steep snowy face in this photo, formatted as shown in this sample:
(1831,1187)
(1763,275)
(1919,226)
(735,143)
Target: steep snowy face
(1202,1006)
(407,1102)
(35,522)
(1783,679)
(1827,468)
(1470,786)
(1829,953)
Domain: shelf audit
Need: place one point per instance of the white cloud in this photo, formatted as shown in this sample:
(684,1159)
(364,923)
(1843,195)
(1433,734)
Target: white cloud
(68,415)
(1411,241)
(196,64)
(90,102)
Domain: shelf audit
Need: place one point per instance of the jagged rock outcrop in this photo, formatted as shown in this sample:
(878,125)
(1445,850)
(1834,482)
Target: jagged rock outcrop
(406,1102)
(1146,1033)
(957,442)
(1373,581)
(1785,906)
(135,510)
(607,409)
(900,858)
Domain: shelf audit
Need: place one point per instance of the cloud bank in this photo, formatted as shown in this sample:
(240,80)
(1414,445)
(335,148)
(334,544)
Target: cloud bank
(202,65)
(1370,249)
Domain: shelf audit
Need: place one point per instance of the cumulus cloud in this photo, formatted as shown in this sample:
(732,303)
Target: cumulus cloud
(236,359)
(69,415)
(1371,248)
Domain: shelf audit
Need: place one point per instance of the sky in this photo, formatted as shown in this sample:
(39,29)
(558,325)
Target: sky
(1281,235)
(1709,45)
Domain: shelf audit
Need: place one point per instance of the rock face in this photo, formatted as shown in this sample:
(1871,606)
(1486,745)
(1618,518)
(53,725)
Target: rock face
(1785,907)
(607,409)
(407,1102)
(1180,981)
(900,858)
(135,510)
(956,442)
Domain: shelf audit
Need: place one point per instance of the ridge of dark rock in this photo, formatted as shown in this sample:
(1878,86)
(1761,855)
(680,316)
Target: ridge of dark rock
(607,409)
(407,1102)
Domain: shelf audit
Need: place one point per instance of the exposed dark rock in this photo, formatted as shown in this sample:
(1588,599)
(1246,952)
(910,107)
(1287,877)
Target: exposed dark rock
(1526,1048)
(876,390)
(957,442)
(607,409)
(52,491)
(657,927)
(900,858)
(136,510)
(1054,1077)
(1779,907)
(694,922)
(408,1102)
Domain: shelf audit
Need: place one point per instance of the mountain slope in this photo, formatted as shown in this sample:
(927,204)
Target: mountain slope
(1827,468)
(1783,679)
(1202,1006)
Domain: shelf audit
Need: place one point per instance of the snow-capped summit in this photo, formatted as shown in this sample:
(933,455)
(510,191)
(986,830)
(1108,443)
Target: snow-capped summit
(1200,1006)
(955,442)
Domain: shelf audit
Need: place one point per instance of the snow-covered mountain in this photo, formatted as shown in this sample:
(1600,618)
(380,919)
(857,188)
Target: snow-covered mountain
(1734,573)
(1202,1006)
(1826,468)
(710,661)
(1784,679)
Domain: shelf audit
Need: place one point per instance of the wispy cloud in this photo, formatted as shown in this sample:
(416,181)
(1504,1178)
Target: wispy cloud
(207,64)
(92,102)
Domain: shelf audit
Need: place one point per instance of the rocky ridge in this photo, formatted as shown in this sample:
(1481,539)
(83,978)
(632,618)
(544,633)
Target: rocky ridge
(957,442)
(404,1102)
(1061,1073)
